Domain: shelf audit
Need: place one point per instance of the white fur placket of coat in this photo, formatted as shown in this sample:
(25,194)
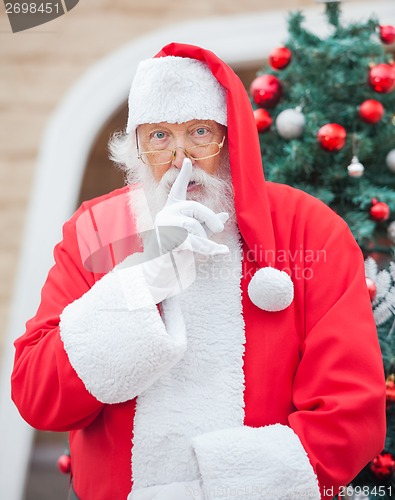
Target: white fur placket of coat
(204,391)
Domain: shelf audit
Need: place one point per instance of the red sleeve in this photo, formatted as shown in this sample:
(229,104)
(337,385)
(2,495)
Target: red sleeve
(45,387)
(339,388)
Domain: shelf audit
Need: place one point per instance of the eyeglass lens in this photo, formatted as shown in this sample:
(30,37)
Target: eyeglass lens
(199,152)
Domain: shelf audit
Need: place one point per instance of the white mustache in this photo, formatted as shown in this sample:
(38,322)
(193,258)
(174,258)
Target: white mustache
(198,176)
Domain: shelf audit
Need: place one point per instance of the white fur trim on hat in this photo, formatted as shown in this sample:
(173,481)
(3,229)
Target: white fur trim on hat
(175,90)
(271,290)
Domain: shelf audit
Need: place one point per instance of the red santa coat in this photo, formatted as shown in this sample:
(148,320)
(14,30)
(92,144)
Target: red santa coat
(313,369)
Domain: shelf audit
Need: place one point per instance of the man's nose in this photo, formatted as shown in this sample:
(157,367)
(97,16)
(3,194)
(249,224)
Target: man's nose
(179,156)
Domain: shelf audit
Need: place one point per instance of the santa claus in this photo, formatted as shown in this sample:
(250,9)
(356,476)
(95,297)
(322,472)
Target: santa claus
(203,333)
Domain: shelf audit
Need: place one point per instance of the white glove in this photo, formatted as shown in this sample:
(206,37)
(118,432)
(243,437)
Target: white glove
(182,228)
(198,220)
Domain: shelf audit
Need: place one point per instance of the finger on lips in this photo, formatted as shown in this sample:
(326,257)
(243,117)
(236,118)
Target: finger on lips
(195,217)
(178,191)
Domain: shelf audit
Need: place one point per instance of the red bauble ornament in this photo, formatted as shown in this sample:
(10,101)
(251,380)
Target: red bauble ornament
(262,119)
(64,464)
(379,211)
(332,136)
(266,90)
(383,466)
(371,111)
(372,289)
(280,58)
(387,34)
(382,78)
(390,390)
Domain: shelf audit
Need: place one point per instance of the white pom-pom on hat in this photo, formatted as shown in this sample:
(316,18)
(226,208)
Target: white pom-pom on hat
(271,290)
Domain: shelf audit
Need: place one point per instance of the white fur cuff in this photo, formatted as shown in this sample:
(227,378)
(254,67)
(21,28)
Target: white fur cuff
(188,490)
(116,340)
(255,463)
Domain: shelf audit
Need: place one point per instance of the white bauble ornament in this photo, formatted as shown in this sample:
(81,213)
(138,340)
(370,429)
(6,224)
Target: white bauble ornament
(290,123)
(391,231)
(390,160)
(355,169)
(271,290)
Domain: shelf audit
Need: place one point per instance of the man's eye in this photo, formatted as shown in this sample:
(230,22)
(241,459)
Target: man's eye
(159,135)
(201,131)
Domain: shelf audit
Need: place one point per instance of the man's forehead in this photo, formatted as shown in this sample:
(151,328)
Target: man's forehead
(179,126)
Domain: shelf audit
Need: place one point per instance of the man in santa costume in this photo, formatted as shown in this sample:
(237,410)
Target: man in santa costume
(203,334)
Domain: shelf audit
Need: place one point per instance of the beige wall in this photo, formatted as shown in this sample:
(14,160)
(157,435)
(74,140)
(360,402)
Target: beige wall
(37,68)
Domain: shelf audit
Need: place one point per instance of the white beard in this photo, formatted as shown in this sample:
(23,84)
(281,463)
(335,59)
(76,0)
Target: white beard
(215,192)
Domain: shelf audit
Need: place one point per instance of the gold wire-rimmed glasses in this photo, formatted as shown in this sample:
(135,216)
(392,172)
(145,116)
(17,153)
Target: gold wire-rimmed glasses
(165,156)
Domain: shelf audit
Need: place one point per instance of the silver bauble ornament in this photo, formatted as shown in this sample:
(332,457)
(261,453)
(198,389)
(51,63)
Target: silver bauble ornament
(391,231)
(290,123)
(355,169)
(390,160)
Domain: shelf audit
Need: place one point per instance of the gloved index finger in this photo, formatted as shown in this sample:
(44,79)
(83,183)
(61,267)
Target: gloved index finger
(178,190)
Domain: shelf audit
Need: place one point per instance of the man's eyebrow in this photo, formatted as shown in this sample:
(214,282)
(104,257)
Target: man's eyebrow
(205,122)
(155,128)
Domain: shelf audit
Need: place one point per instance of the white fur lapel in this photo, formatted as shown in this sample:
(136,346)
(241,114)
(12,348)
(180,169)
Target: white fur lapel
(204,391)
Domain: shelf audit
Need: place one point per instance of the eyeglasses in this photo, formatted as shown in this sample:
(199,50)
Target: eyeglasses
(165,156)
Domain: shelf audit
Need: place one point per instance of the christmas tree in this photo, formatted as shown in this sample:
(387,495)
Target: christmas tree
(325,110)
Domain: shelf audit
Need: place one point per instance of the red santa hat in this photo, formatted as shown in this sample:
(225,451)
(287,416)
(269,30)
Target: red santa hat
(185,82)
(175,90)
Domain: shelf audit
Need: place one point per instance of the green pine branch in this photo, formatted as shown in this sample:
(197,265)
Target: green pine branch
(328,78)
